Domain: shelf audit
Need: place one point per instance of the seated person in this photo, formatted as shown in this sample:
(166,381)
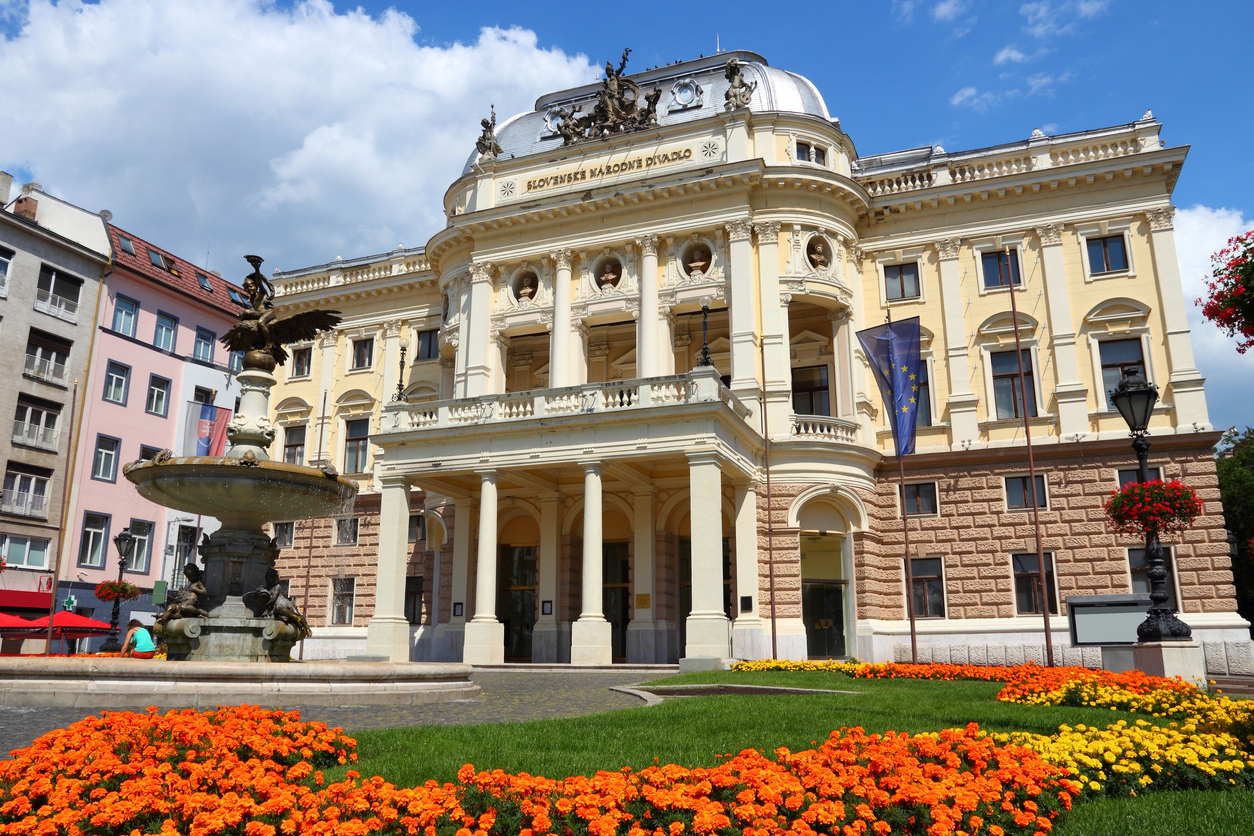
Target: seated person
(138,644)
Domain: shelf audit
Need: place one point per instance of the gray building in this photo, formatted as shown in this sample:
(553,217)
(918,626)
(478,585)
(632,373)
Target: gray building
(52,257)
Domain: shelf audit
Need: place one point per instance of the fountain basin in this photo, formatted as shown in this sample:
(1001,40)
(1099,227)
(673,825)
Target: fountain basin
(242,496)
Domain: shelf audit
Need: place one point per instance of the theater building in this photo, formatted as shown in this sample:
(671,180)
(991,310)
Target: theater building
(549,472)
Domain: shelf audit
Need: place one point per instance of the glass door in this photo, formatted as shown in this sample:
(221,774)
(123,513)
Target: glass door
(516,599)
(823,609)
(616,595)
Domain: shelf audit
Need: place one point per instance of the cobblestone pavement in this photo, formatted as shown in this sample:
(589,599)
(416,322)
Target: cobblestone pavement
(506,696)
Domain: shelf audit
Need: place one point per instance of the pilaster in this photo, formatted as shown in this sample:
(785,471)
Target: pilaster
(1072,396)
(559,339)
(707,633)
(478,357)
(647,344)
(963,423)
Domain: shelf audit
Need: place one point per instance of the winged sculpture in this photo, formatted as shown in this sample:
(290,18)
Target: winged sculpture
(260,334)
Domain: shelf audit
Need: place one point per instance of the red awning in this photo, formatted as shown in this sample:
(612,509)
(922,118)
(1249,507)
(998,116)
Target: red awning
(7,620)
(24,599)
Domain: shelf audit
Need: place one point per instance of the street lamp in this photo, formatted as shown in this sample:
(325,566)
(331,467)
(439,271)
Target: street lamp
(1135,399)
(400,378)
(704,359)
(125,543)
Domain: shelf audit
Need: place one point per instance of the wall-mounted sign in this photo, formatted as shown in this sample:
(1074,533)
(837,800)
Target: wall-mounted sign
(590,174)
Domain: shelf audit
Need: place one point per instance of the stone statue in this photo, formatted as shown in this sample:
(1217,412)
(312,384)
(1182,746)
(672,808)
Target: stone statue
(620,108)
(739,93)
(527,288)
(487,145)
(818,256)
(610,276)
(260,335)
(700,261)
(187,603)
(268,600)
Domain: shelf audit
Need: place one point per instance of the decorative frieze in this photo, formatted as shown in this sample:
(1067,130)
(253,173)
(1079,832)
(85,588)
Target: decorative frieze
(739,230)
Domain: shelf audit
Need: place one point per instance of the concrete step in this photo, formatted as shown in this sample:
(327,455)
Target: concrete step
(1234,686)
(558,668)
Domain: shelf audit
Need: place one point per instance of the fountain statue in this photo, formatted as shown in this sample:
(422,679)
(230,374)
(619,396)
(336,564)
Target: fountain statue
(234,611)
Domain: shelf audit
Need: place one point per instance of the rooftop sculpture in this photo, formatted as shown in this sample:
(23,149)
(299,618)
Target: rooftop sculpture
(260,335)
(620,109)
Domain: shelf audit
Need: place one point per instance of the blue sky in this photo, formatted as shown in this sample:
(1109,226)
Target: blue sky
(306,130)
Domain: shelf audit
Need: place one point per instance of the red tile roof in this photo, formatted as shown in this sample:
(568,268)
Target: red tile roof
(187,282)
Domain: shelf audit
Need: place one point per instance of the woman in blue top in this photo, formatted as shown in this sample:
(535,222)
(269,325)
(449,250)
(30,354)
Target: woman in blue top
(138,644)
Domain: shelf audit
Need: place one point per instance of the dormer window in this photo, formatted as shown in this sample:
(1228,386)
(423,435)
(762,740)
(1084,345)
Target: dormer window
(236,296)
(162,261)
(127,245)
(204,282)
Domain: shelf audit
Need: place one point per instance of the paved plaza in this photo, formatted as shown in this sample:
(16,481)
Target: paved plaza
(507,696)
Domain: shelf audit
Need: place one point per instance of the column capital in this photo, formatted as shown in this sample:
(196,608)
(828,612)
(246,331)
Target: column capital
(591,466)
(647,244)
(785,299)
(480,272)
(327,339)
(386,482)
(487,474)
(750,486)
(643,490)
(858,254)
(768,232)
(700,457)
(947,248)
(1050,234)
(1160,219)
(739,230)
(841,316)
(562,258)
(392,328)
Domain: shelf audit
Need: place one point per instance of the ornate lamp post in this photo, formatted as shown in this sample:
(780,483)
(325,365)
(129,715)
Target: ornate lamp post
(125,542)
(400,377)
(1135,399)
(704,359)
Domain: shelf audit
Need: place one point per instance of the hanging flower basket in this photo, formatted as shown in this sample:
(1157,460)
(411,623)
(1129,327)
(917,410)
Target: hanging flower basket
(1229,300)
(116,590)
(1155,507)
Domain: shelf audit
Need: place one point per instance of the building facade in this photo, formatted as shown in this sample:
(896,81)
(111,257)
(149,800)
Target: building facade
(552,474)
(52,256)
(157,371)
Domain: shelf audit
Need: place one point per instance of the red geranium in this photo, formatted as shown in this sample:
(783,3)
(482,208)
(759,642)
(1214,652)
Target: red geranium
(121,590)
(1154,507)
(1230,299)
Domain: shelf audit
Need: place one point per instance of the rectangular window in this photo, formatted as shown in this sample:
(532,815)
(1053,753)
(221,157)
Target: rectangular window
(342,600)
(1117,355)
(235,361)
(1133,474)
(104,465)
(167,328)
(203,350)
(1141,581)
(1019,492)
(91,548)
(923,393)
(294,445)
(28,552)
(997,271)
(810,391)
(236,296)
(46,357)
(148,453)
(1006,393)
(1107,255)
(356,445)
(125,316)
(6,258)
(363,353)
(162,261)
(413,599)
(429,344)
(1028,586)
(57,294)
(346,531)
(117,382)
(284,532)
(417,527)
(127,245)
(820,156)
(35,423)
(302,360)
(803,151)
(202,395)
(138,561)
(929,587)
(158,402)
(25,494)
(901,281)
(204,282)
(921,498)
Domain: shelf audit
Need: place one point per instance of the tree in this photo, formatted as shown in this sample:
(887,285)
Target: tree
(1235,466)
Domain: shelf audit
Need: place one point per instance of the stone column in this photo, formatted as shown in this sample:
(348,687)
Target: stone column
(447,391)
(707,627)
(544,634)
(1073,417)
(387,632)
(479,343)
(842,351)
(1185,380)
(778,383)
(785,300)
(451,634)
(579,336)
(559,339)
(485,636)
(666,342)
(963,422)
(749,641)
(641,632)
(591,635)
(647,341)
(500,362)
(742,313)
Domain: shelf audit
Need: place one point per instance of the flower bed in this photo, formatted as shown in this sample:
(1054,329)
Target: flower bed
(257,773)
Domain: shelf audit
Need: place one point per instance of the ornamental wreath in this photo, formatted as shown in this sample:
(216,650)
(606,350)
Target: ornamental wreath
(1229,302)
(120,590)
(1154,507)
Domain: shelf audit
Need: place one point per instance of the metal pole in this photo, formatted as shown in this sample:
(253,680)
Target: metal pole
(901,488)
(65,510)
(1042,577)
(313,524)
(770,525)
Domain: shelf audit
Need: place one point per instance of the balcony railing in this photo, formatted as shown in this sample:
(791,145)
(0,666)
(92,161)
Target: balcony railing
(35,435)
(618,396)
(60,307)
(824,428)
(44,368)
(24,504)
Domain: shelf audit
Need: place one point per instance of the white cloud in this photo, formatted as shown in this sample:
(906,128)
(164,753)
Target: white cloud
(1200,231)
(904,10)
(1091,8)
(948,9)
(1049,129)
(972,98)
(1009,54)
(1045,19)
(1043,83)
(237,126)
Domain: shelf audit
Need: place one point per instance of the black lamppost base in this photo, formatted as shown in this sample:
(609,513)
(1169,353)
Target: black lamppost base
(1163,626)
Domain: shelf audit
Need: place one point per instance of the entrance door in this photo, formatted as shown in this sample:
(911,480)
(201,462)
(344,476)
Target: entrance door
(516,599)
(823,608)
(615,595)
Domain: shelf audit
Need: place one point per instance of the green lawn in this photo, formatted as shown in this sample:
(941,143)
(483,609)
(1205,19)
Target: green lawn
(693,730)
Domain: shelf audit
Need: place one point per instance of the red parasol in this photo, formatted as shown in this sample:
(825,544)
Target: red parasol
(66,625)
(11,623)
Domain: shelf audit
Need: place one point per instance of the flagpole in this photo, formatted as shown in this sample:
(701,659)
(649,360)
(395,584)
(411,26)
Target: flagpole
(901,482)
(1042,577)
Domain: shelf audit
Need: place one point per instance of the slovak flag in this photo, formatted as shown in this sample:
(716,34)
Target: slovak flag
(206,430)
(893,351)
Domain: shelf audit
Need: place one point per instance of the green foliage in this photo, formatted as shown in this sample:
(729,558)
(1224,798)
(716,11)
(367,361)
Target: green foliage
(1235,467)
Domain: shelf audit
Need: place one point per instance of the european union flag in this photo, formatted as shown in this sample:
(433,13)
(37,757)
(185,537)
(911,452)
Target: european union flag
(893,350)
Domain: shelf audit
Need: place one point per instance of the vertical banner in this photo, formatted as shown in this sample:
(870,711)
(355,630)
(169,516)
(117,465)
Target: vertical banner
(893,350)
(205,433)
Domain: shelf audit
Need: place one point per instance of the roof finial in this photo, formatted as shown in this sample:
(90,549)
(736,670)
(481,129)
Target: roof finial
(1149,114)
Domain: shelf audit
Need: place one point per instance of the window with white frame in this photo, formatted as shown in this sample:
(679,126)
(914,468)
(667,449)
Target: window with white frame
(24,552)
(203,349)
(999,269)
(346,530)
(1106,247)
(1027,577)
(1107,255)
(920,498)
(235,361)
(35,422)
(342,592)
(6,259)
(1116,356)
(25,493)
(1019,492)
(1128,475)
(363,354)
(302,362)
(127,245)
(46,357)
(158,402)
(1138,569)
(901,281)
(91,547)
(1008,397)
(429,344)
(810,392)
(141,530)
(104,465)
(125,316)
(923,394)
(57,294)
(356,445)
(117,381)
(294,445)
(164,337)
(162,261)
(284,533)
(928,577)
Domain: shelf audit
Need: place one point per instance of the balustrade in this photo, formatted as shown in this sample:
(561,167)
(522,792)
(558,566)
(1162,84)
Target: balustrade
(823,428)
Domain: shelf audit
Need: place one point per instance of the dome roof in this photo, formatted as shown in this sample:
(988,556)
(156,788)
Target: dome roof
(691,90)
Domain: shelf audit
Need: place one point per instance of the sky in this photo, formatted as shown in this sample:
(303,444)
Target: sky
(307,130)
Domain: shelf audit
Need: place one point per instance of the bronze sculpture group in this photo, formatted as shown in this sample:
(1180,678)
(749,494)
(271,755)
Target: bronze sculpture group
(260,334)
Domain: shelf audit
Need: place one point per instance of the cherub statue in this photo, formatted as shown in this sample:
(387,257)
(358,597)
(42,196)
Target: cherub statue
(487,145)
(269,600)
(187,604)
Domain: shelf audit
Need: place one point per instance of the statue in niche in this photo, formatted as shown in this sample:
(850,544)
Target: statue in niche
(610,274)
(486,144)
(816,253)
(700,261)
(527,289)
(739,92)
(268,600)
(186,604)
